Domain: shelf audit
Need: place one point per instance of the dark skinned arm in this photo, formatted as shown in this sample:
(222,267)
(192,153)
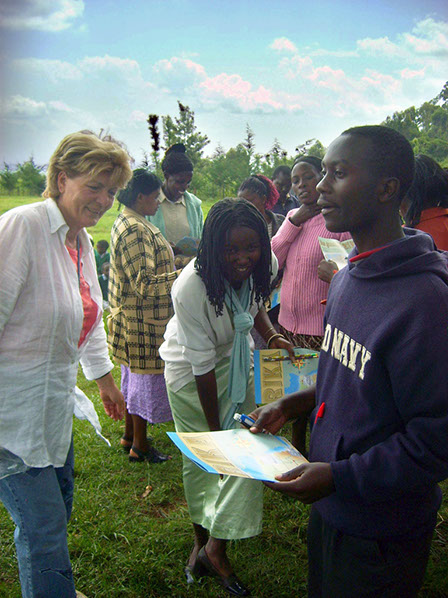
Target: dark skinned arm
(273,417)
(208,396)
(264,327)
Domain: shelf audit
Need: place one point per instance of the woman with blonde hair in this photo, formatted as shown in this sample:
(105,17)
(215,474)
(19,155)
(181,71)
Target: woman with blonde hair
(50,321)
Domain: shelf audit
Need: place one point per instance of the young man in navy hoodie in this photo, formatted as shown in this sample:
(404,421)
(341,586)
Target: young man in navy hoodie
(378,445)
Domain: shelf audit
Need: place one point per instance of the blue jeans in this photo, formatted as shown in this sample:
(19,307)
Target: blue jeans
(40,503)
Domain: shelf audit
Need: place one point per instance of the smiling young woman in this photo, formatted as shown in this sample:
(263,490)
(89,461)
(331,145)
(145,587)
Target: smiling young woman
(217,298)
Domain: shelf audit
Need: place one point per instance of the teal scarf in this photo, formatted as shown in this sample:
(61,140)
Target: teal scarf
(239,370)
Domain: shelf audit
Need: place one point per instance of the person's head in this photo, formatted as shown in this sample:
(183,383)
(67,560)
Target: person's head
(105,268)
(83,175)
(102,246)
(281,177)
(305,175)
(367,171)
(428,190)
(234,245)
(259,191)
(141,193)
(178,171)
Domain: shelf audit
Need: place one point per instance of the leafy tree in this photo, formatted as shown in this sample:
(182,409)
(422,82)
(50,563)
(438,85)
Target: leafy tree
(249,146)
(311,147)
(29,178)
(182,129)
(152,161)
(8,179)
(434,147)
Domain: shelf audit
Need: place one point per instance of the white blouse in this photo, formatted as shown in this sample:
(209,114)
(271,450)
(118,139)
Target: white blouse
(41,316)
(196,339)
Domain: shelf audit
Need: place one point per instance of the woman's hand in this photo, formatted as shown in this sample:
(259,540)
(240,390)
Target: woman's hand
(307,482)
(304,213)
(113,400)
(282,343)
(326,270)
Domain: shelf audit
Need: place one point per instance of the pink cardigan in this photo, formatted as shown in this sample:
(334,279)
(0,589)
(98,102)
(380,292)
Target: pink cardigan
(298,252)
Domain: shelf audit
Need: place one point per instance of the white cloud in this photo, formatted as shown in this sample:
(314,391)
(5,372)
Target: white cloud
(21,107)
(40,15)
(54,70)
(283,44)
(178,74)
(412,74)
(381,45)
(428,38)
(127,66)
(18,106)
(237,94)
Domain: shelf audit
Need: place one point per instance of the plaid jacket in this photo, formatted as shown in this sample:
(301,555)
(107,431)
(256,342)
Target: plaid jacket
(141,276)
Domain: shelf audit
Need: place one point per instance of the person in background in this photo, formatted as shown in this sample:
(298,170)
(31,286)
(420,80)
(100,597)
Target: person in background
(425,206)
(281,177)
(261,192)
(207,354)
(141,276)
(306,275)
(50,321)
(380,408)
(101,255)
(180,214)
(103,279)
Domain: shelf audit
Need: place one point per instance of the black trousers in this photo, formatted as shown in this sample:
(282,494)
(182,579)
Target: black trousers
(343,566)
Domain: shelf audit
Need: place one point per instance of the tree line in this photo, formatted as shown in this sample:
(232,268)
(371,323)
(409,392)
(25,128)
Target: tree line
(220,174)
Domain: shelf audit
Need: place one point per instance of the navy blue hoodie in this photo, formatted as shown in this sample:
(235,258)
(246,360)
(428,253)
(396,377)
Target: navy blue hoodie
(383,376)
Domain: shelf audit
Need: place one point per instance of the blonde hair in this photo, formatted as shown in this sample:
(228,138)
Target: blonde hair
(85,153)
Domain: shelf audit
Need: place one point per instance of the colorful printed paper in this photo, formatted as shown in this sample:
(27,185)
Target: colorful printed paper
(274,379)
(336,251)
(239,453)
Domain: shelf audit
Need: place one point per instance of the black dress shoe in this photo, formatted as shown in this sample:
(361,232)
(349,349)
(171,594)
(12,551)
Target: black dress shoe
(152,455)
(231,583)
(193,573)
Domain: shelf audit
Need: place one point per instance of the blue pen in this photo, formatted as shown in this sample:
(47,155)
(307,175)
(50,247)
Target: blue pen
(246,421)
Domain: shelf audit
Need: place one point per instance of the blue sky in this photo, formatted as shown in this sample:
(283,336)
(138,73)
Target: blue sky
(292,70)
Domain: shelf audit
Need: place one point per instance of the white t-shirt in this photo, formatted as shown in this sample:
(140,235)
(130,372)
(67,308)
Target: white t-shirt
(196,339)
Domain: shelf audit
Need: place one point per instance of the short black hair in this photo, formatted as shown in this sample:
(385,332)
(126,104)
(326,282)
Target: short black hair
(391,154)
(315,162)
(176,160)
(262,186)
(429,188)
(103,243)
(256,185)
(282,169)
(142,181)
(222,217)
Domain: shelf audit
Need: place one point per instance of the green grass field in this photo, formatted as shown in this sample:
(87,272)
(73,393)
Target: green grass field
(127,543)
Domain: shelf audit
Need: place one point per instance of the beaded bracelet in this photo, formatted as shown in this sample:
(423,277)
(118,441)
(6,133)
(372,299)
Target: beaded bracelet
(271,338)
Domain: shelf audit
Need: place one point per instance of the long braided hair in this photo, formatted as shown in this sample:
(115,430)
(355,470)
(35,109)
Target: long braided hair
(223,216)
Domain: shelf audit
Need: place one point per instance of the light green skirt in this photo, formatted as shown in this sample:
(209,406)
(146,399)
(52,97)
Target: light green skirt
(230,508)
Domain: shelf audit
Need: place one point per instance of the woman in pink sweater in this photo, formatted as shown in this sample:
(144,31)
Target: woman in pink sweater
(306,275)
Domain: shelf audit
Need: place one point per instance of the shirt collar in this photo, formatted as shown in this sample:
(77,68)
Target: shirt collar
(163,197)
(58,225)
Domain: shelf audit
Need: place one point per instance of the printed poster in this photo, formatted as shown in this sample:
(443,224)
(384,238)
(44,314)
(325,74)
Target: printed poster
(337,251)
(276,376)
(239,453)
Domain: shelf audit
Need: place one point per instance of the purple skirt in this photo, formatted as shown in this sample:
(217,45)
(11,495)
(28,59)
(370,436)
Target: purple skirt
(146,396)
